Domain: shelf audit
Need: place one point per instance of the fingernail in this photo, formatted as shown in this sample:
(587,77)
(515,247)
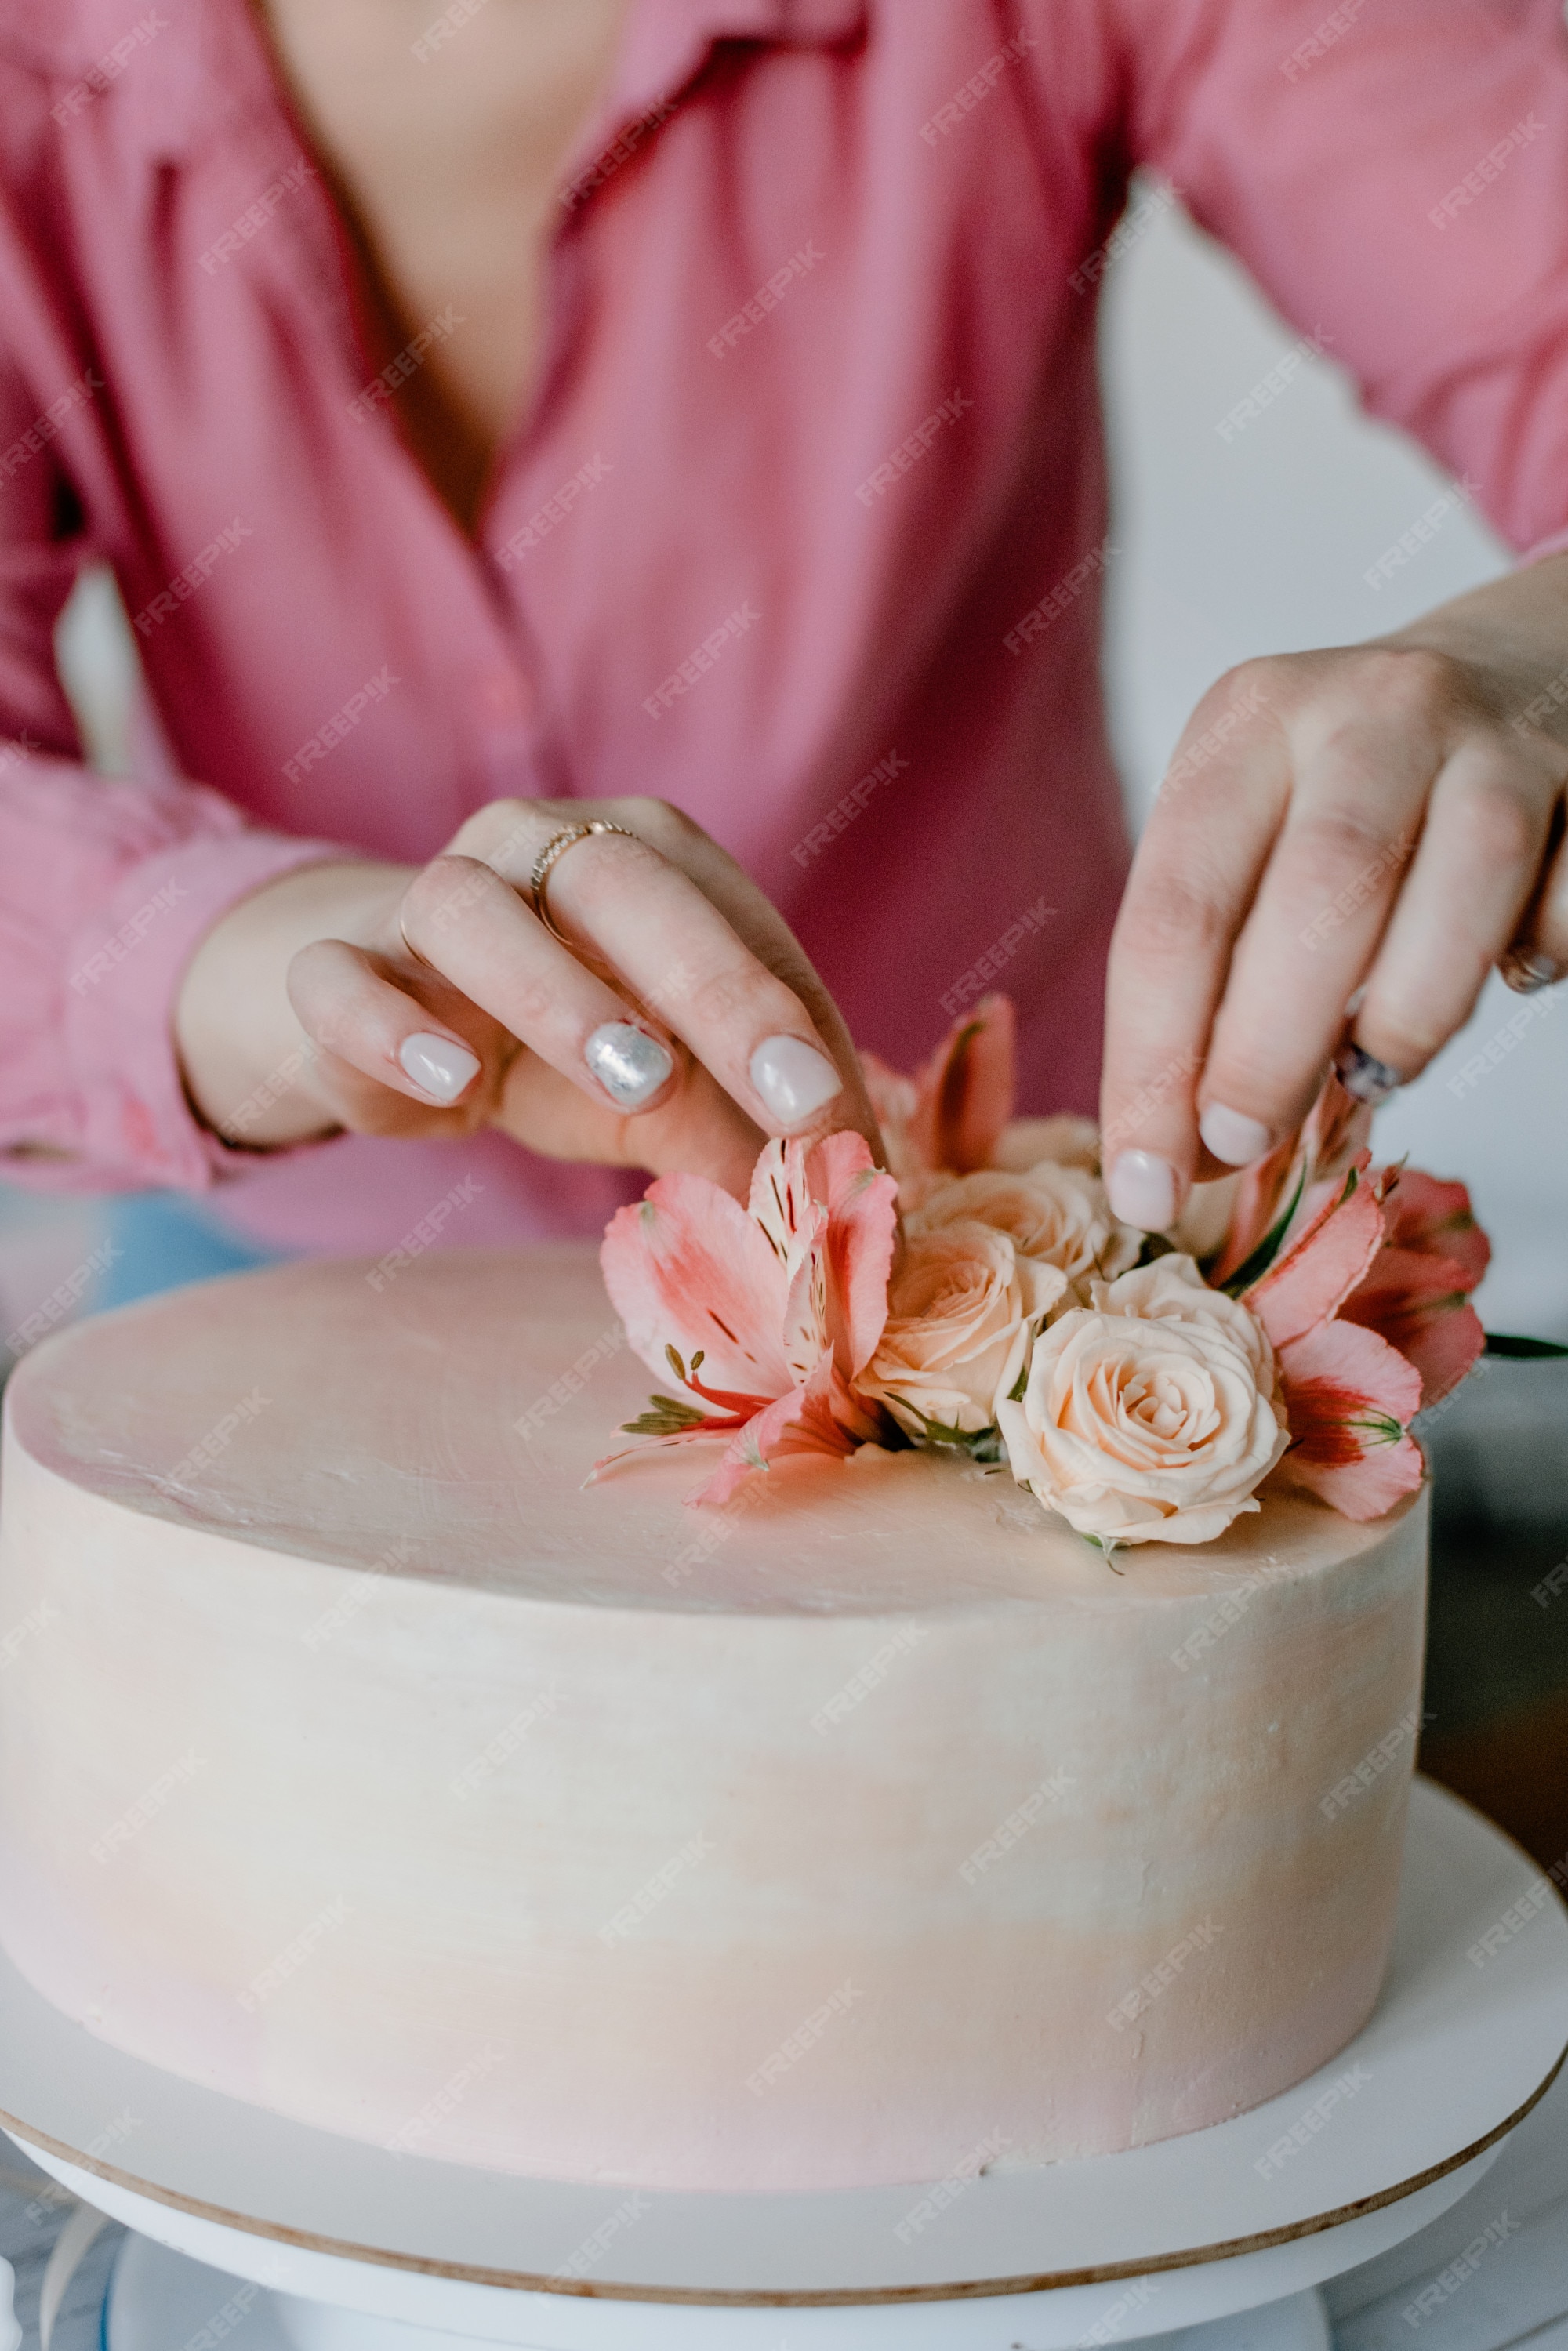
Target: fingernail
(1142,1190)
(793,1079)
(1361,1073)
(1232,1136)
(629,1064)
(442,1069)
(1526,973)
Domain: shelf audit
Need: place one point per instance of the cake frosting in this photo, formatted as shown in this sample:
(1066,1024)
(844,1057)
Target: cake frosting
(357,1760)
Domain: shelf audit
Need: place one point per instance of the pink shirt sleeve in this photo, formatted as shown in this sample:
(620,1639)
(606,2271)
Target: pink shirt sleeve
(106,888)
(1395,174)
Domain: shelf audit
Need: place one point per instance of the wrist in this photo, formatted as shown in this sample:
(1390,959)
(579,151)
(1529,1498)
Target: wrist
(248,1065)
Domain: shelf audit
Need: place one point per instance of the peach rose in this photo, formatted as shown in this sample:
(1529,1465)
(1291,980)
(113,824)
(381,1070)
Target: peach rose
(1056,1215)
(962,1306)
(1148,1416)
(1065,1139)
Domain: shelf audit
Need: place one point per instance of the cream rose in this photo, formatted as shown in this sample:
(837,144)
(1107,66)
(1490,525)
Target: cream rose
(1056,1215)
(962,1304)
(1067,1140)
(1148,1416)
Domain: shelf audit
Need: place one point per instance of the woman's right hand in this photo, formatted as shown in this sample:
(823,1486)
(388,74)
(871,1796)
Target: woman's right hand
(678,1027)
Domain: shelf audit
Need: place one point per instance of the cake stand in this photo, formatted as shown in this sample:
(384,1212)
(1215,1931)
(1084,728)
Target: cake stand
(312,2242)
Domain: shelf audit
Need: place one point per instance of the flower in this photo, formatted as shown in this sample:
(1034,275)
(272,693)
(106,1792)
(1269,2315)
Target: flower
(764,1314)
(1149,1415)
(1416,1293)
(964,1302)
(1056,1215)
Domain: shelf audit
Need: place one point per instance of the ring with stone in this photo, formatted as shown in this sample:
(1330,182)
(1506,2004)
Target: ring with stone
(554,849)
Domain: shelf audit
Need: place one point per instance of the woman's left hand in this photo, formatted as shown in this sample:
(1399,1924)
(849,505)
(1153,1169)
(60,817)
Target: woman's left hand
(1346,843)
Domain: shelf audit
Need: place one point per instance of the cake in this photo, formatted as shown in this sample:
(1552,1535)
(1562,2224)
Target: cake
(360,1762)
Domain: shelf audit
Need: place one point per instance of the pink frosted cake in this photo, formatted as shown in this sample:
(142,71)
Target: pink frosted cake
(357,1762)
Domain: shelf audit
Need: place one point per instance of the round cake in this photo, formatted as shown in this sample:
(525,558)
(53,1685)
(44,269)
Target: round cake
(357,1761)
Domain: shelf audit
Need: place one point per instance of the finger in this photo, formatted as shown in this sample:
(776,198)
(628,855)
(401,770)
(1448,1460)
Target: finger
(1203,846)
(673,948)
(472,926)
(1538,953)
(370,1034)
(699,1132)
(1470,880)
(1361,787)
(510,835)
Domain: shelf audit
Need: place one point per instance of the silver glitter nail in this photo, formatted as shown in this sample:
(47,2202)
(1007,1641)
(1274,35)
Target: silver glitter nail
(630,1065)
(1527,973)
(1364,1076)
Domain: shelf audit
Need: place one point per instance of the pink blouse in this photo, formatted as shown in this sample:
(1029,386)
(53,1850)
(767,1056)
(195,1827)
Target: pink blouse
(804,530)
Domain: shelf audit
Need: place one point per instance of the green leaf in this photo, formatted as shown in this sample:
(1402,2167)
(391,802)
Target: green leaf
(1268,1248)
(1503,1342)
(667,1416)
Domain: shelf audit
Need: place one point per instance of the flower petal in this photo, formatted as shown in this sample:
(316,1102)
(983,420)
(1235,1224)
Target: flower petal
(1317,1273)
(686,1267)
(862,1202)
(1426,1212)
(1350,1397)
(967,1089)
(1418,1303)
(801,1422)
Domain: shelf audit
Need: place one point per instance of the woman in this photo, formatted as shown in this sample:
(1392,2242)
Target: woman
(681,414)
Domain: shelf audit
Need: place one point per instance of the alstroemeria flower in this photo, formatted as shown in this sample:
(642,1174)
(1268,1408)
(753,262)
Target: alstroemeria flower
(760,1317)
(1416,1292)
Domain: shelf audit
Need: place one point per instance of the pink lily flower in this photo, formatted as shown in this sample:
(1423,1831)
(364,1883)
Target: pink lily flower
(763,1314)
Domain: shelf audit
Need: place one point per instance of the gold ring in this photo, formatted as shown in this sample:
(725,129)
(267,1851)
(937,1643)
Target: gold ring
(550,855)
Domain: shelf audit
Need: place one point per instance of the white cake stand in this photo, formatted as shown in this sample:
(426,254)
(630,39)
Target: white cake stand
(358,2249)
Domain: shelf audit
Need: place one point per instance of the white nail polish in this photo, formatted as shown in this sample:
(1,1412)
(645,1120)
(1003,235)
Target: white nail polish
(793,1079)
(1142,1191)
(442,1069)
(1232,1136)
(630,1065)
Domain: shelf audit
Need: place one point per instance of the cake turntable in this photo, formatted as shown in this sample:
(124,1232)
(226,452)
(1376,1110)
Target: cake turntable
(307,2242)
